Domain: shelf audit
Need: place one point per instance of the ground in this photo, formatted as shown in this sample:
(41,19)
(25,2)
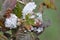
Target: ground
(52,32)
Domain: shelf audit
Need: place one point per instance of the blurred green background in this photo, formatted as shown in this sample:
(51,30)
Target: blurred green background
(53,31)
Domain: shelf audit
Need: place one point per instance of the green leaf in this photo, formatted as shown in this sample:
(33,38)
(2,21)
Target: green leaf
(18,10)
